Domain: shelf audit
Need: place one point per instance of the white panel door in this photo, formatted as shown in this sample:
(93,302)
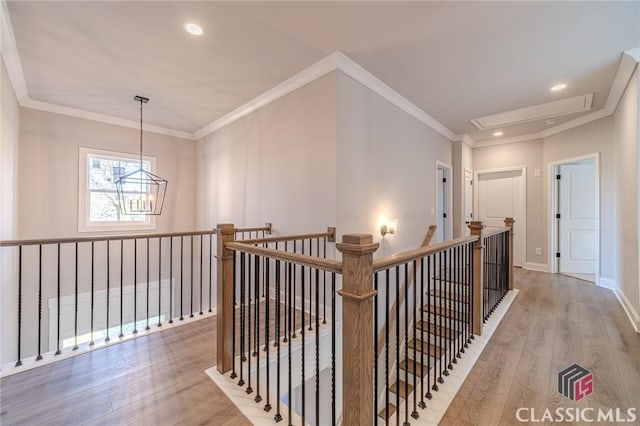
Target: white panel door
(500,195)
(578,218)
(441,205)
(468,200)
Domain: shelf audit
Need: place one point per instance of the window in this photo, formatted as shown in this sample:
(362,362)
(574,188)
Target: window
(98,208)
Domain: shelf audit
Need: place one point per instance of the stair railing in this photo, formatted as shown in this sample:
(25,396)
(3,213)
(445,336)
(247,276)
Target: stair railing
(74,294)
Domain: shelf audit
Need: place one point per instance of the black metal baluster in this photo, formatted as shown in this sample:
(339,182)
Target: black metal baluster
(233,319)
(387,296)
(448,333)
(422,404)
(406,345)
(438,327)
(303,342)
(191,275)
(201,248)
(471,292)
(278,416)
(317,346)
(310,288)
(181,276)
(91,342)
(39,357)
(333,348)
(287,301)
(267,406)
(375,347)
(210,269)
(148,285)
(242,308)
(135,286)
(256,349)
(324,285)
(121,335)
(398,324)
(170,280)
(19,361)
(288,332)
(75,318)
(293,335)
(415,414)
(160,282)
(431,297)
(107,338)
(58,351)
(456,303)
(248,309)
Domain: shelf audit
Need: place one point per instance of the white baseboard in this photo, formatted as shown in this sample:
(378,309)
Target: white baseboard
(532,266)
(622,298)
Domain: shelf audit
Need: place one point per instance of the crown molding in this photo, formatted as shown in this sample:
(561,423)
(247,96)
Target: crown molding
(335,61)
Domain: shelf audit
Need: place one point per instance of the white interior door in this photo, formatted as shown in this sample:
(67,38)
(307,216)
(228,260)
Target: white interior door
(441,213)
(500,195)
(577,225)
(468,200)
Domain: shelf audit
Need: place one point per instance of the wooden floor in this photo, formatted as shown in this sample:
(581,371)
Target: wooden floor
(554,322)
(159,379)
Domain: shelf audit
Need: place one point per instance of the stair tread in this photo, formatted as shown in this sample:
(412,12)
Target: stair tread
(437,330)
(425,347)
(446,312)
(383,412)
(403,393)
(404,365)
(448,295)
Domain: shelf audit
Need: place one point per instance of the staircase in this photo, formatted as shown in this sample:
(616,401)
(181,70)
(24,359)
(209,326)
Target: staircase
(436,337)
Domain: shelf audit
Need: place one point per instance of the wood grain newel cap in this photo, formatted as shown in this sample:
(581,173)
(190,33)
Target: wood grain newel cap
(357,244)
(225,228)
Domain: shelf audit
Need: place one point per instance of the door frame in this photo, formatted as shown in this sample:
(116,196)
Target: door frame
(465,227)
(553,206)
(448,168)
(523,208)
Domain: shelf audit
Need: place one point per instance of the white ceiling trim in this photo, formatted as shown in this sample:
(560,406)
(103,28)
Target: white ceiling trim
(10,54)
(628,63)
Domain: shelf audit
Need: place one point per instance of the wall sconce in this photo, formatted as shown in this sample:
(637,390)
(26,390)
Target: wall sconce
(389,227)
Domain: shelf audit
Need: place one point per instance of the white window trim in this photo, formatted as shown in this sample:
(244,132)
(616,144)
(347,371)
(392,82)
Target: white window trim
(84,222)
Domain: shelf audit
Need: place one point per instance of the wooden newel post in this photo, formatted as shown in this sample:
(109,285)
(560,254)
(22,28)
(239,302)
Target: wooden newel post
(357,354)
(224,262)
(476,229)
(508,222)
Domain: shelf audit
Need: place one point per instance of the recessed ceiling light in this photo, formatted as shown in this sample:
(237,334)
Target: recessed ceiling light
(192,28)
(498,133)
(558,87)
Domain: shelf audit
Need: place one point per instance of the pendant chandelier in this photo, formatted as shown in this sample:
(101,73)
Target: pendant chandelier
(141,192)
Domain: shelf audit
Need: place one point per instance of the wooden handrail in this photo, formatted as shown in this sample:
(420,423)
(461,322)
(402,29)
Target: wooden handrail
(487,232)
(410,255)
(267,228)
(13,243)
(328,265)
(330,234)
(392,315)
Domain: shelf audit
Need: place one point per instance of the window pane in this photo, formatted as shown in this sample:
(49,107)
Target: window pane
(104,208)
(104,172)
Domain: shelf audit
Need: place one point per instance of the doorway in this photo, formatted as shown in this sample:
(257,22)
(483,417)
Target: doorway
(468,201)
(444,199)
(574,218)
(501,193)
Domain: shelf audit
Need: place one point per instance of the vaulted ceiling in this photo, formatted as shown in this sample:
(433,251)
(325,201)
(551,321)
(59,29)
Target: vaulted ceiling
(454,60)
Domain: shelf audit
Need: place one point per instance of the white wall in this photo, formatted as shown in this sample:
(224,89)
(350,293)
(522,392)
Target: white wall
(48,171)
(386,166)
(594,137)
(275,165)
(9,129)
(627,161)
(462,155)
(529,154)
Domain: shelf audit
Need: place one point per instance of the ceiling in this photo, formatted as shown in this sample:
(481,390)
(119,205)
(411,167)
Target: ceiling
(454,60)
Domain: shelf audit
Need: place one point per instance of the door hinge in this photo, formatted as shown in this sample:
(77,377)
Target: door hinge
(558,254)
(557,215)
(471,182)
(444,215)
(470,214)
(558,177)
(444,180)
